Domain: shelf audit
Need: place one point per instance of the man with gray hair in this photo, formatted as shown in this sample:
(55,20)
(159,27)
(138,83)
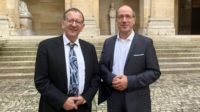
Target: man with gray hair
(66,69)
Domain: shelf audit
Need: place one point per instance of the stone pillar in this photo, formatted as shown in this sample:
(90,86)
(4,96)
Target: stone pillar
(25,19)
(10,19)
(90,9)
(161,21)
(144,15)
(13,15)
(68,4)
(26,25)
(3,8)
(4,20)
(4,26)
(112,16)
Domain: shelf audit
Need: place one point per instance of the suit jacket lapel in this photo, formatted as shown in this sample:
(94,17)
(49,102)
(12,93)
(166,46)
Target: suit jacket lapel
(60,58)
(112,50)
(86,58)
(134,41)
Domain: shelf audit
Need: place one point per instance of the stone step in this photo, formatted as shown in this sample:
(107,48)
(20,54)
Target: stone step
(39,38)
(178,59)
(18,49)
(97,43)
(35,44)
(171,38)
(16,75)
(178,54)
(174,46)
(20,69)
(16,63)
(183,65)
(180,70)
(98,47)
(166,51)
(23,41)
(17,58)
(184,38)
(18,53)
(98,56)
(20,45)
(177,43)
(173,59)
(2,41)
(170,47)
(160,51)
(170,55)
(178,50)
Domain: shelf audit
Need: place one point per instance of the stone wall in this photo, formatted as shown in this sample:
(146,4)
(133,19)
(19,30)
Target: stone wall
(3,7)
(47,16)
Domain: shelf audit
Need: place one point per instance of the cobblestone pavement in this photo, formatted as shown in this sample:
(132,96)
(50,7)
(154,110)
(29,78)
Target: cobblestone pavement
(171,93)
(18,95)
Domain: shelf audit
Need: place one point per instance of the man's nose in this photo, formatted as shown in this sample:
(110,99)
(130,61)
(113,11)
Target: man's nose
(74,23)
(124,18)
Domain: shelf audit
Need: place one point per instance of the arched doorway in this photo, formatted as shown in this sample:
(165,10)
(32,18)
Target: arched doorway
(47,16)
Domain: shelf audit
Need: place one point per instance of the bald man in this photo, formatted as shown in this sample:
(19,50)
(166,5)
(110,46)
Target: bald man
(128,66)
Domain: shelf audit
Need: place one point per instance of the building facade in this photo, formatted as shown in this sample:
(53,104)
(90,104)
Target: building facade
(153,17)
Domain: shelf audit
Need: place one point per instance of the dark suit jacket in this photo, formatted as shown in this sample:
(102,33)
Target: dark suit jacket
(141,68)
(51,75)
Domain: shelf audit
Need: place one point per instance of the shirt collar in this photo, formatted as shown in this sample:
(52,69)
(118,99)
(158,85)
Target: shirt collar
(130,37)
(66,40)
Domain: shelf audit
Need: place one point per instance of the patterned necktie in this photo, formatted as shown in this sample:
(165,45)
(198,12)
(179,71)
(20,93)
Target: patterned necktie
(73,87)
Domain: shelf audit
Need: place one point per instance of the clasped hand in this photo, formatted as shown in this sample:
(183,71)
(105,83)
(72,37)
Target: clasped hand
(73,102)
(120,82)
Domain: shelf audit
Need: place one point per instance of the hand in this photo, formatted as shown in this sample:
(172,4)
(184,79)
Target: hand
(70,103)
(120,82)
(80,100)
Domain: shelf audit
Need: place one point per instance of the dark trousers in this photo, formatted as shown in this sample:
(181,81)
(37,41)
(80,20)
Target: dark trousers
(116,102)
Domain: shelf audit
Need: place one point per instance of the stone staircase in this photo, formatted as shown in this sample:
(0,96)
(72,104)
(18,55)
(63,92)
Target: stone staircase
(177,55)
(17,57)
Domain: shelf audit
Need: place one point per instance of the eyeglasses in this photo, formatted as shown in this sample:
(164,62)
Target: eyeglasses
(128,17)
(72,21)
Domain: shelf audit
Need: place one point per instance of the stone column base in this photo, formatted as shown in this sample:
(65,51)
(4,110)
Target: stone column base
(27,32)
(142,31)
(160,27)
(26,25)
(4,26)
(15,32)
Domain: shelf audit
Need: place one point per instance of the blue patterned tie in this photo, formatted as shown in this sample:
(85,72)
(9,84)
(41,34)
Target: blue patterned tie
(73,87)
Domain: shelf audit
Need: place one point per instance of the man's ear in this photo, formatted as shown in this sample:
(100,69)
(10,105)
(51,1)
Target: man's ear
(63,24)
(134,20)
(83,25)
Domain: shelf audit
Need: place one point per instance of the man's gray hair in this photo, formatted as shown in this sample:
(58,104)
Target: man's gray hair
(73,10)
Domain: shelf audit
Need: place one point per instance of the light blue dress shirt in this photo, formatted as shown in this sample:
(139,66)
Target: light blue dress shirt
(122,47)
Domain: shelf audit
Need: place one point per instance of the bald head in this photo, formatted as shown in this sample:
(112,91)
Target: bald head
(125,8)
(125,19)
